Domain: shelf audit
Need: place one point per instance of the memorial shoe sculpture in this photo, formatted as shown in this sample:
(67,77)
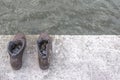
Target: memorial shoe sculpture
(44,49)
(15,49)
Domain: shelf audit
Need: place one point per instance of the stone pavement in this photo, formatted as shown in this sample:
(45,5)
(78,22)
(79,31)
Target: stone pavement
(74,57)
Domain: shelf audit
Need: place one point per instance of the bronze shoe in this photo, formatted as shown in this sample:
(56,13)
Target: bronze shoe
(44,48)
(15,49)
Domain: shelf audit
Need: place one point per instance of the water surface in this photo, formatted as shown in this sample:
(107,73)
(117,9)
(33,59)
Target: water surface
(81,17)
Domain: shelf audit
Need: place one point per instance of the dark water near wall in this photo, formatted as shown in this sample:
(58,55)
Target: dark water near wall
(60,16)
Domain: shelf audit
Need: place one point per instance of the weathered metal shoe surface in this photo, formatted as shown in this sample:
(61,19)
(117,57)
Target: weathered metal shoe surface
(15,49)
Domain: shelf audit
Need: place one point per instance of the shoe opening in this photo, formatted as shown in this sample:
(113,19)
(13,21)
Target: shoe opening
(14,47)
(42,47)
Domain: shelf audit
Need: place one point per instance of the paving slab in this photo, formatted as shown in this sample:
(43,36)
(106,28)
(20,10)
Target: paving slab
(74,57)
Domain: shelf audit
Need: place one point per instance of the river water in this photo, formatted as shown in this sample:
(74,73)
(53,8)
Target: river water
(80,17)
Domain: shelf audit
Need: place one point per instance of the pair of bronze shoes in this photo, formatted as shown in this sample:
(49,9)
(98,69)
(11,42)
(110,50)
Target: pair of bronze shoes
(17,46)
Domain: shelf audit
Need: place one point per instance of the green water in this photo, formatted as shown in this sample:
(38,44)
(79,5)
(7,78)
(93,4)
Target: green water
(60,16)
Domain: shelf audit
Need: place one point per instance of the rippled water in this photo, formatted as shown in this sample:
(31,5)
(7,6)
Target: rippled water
(60,16)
